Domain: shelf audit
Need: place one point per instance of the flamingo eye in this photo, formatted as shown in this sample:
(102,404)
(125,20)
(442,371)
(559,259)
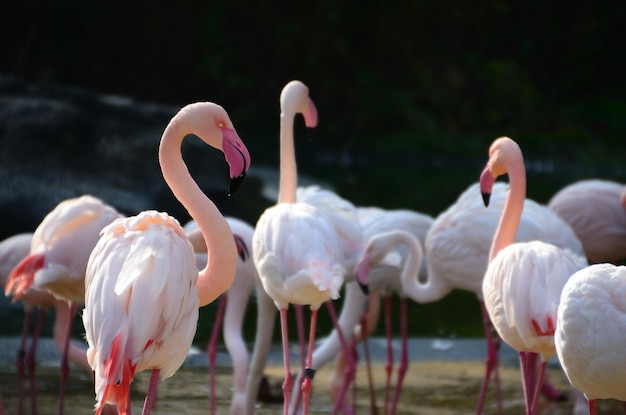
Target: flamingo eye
(220,124)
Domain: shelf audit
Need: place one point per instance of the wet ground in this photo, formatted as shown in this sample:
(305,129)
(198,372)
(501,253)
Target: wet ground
(444,378)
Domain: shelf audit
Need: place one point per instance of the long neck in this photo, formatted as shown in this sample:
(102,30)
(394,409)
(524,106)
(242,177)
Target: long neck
(219,272)
(288,170)
(513,208)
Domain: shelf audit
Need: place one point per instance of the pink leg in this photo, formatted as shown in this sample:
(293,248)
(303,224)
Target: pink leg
(20,362)
(539,383)
(491,363)
(404,357)
(528,365)
(389,366)
(148,404)
(287,384)
(308,370)
(30,358)
(350,364)
(65,366)
(592,407)
(373,405)
(212,349)
(299,311)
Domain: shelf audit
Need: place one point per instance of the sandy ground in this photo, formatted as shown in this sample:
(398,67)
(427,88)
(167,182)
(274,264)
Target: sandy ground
(431,387)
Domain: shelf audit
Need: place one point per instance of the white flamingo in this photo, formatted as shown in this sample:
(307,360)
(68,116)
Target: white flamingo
(523,282)
(298,248)
(596,212)
(457,248)
(386,263)
(591,331)
(58,258)
(12,251)
(143,287)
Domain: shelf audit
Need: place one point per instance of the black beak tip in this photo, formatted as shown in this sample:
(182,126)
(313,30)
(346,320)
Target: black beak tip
(486,198)
(365,288)
(235,182)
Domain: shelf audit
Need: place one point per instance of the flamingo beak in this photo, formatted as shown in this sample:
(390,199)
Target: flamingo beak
(486,185)
(237,157)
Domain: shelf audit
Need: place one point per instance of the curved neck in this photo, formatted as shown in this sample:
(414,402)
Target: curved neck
(288,169)
(219,272)
(513,207)
(427,292)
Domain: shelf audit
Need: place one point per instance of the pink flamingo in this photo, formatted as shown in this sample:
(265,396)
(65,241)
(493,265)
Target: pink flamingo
(297,249)
(143,287)
(231,309)
(58,258)
(457,248)
(590,329)
(524,280)
(383,271)
(595,211)
(12,251)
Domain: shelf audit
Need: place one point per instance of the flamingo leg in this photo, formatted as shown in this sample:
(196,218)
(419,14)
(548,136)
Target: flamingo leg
(287,384)
(212,349)
(390,357)
(592,407)
(528,366)
(20,361)
(65,366)
(350,363)
(537,392)
(299,311)
(368,363)
(30,358)
(404,356)
(309,372)
(151,395)
(491,363)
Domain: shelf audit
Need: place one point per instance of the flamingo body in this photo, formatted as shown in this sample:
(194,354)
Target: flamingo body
(591,330)
(298,255)
(522,287)
(60,249)
(595,211)
(121,340)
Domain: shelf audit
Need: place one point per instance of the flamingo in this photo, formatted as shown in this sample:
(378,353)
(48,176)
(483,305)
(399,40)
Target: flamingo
(231,310)
(524,280)
(590,329)
(457,247)
(57,262)
(596,212)
(12,251)
(297,249)
(385,276)
(143,287)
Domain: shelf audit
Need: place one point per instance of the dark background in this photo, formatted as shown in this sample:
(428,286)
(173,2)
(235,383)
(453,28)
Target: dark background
(410,95)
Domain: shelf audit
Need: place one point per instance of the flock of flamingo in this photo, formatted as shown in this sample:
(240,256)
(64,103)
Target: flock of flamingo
(143,278)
